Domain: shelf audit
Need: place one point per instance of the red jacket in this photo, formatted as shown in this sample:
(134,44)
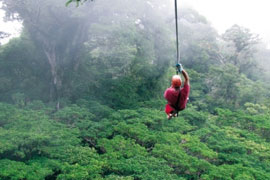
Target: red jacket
(171,96)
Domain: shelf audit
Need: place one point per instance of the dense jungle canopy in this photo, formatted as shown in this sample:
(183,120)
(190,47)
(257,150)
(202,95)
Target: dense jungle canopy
(81,95)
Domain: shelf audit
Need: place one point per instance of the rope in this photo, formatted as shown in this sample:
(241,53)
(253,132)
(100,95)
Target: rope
(177,38)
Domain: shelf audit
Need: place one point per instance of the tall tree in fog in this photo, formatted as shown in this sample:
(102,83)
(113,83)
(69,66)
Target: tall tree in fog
(99,41)
(241,43)
(129,49)
(55,29)
(198,43)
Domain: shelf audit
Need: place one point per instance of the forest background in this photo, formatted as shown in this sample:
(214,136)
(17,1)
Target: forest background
(82,95)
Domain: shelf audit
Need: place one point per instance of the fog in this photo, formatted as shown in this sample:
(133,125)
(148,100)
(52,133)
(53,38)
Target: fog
(221,14)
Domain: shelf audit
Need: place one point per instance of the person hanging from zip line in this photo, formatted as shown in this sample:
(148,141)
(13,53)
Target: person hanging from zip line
(176,96)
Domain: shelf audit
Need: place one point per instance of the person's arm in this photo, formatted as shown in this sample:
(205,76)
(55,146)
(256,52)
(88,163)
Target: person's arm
(185,74)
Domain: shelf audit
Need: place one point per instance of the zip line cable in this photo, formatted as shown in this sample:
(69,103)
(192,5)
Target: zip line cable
(177,38)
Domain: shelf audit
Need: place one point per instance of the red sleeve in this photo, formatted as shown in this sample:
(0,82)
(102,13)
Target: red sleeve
(165,94)
(184,97)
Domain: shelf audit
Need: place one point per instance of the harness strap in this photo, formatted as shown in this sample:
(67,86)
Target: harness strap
(177,102)
(175,106)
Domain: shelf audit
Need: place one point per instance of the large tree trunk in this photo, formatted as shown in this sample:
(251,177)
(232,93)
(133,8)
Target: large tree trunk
(50,52)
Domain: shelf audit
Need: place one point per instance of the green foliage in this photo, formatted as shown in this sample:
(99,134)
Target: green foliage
(132,144)
(256,123)
(35,169)
(78,2)
(23,72)
(37,147)
(73,114)
(127,158)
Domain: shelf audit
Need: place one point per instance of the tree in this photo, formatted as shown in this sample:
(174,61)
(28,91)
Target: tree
(23,70)
(198,45)
(242,45)
(98,44)
(224,86)
(76,1)
(57,31)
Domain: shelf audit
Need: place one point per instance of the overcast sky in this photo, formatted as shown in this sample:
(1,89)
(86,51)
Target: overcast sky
(12,28)
(252,14)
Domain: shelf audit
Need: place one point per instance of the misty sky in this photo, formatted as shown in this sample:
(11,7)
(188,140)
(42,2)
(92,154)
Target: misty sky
(12,28)
(222,14)
(252,14)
